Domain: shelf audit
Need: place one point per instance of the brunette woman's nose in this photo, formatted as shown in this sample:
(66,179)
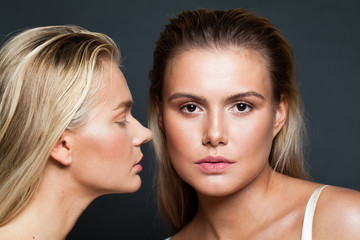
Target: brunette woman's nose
(214,132)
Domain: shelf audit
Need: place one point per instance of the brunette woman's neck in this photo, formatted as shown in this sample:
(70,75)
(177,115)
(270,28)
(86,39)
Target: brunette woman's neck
(241,213)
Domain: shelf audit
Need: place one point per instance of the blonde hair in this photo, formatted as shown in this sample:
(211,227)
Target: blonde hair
(48,77)
(203,29)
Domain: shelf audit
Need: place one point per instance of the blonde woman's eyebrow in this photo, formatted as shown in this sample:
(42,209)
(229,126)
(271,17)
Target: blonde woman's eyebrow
(125,104)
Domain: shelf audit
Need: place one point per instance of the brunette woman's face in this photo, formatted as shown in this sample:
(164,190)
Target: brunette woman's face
(219,118)
(106,150)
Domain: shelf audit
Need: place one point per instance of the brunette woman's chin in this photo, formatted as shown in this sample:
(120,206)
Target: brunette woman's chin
(230,184)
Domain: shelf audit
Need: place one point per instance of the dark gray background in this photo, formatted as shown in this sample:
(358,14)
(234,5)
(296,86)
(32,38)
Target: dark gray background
(325,35)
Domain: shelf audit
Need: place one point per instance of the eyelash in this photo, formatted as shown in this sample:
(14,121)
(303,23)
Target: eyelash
(183,108)
(247,106)
(123,123)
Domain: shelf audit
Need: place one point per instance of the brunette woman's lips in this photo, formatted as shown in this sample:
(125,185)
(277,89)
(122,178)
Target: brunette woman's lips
(137,166)
(214,164)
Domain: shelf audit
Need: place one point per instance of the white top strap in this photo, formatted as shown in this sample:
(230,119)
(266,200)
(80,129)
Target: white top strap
(306,233)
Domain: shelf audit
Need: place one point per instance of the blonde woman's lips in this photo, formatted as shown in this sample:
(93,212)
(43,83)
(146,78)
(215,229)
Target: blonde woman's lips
(214,164)
(137,165)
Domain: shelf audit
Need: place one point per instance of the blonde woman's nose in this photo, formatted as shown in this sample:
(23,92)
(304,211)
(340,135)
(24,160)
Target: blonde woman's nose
(142,134)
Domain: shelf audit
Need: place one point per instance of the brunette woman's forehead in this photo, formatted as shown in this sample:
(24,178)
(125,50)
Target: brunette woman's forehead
(254,55)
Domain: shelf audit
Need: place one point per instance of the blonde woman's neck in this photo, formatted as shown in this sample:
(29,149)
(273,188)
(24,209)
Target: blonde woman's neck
(53,210)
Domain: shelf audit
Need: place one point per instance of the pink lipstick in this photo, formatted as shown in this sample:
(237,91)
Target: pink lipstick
(137,166)
(214,164)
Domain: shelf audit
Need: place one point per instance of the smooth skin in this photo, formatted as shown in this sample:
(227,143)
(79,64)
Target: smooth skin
(100,157)
(219,103)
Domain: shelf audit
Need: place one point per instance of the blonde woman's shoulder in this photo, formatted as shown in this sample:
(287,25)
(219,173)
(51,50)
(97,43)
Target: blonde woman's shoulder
(337,214)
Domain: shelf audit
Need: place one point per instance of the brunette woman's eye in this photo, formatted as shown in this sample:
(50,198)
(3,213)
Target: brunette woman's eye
(189,108)
(242,107)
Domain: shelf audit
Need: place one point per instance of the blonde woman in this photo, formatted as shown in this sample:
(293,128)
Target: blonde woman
(67,135)
(228,132)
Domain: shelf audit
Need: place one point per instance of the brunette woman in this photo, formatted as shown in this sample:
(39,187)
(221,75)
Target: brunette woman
(228,133)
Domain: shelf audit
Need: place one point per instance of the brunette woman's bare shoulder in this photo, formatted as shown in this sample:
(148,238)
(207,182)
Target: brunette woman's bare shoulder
(337,214)
(188,232)
(181,235)
(191,231)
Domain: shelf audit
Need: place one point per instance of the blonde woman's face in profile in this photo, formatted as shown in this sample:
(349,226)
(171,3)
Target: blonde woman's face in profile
(106,150)
(219,118)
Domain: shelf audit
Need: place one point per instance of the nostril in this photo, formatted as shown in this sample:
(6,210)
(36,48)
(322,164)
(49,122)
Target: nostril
(213,140)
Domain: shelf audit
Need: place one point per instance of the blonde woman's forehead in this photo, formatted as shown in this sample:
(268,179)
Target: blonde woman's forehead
(114,92)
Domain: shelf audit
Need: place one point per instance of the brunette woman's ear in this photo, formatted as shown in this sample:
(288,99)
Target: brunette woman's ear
(61,152)
(281,113)
(159,114)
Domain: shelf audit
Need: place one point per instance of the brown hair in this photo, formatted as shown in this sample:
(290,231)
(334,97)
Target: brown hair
(237,28)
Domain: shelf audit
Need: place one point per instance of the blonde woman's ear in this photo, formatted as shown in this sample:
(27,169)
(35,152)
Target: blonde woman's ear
(61,151)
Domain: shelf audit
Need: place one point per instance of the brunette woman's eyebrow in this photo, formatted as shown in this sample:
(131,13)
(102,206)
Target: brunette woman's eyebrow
(245,94)
(186,95)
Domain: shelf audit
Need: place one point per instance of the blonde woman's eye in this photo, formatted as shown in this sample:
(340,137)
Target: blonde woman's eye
(123,123)
(190,108)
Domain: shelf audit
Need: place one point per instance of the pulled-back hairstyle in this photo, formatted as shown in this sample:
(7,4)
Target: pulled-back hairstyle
(48,79)
(232,29)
